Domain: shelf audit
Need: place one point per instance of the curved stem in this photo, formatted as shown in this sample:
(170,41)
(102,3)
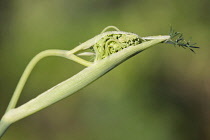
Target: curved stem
(30,66)
(110,27)
(69,86)
(75,83)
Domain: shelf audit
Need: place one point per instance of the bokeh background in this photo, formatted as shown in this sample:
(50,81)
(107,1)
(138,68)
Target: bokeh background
(161,94)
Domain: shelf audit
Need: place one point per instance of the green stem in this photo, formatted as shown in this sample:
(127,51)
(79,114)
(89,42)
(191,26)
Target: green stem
(3,127)
(71,85)
(32,63)
(77,82)
(27,72)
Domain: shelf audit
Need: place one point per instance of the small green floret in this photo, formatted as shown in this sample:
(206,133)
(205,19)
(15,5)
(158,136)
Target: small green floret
(113,43)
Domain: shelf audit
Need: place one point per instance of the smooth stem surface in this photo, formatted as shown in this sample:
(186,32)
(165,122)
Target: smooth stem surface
(77,82)
(3,127)
(27,72)
(32,63)
(73,84)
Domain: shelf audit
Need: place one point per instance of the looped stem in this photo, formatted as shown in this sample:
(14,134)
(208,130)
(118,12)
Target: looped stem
(31,65)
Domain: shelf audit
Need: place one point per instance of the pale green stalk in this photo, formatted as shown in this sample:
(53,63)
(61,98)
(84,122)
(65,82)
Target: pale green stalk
(94,70)
(29,68)
(110,48)
(71,85)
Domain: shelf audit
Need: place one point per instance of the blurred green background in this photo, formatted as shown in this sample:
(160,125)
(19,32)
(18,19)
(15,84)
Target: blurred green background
(161,94)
